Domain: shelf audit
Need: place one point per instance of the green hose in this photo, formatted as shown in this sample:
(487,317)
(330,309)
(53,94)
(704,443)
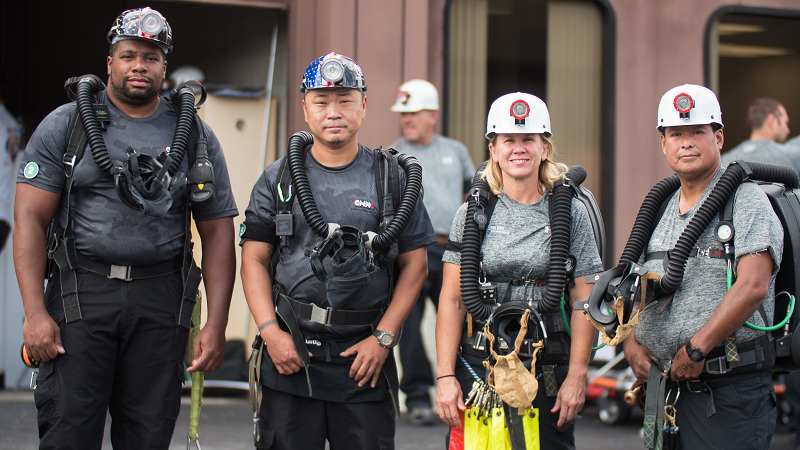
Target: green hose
(197,382)
(775,327)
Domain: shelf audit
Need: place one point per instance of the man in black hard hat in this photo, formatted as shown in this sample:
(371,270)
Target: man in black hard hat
(110,329)
(327,372)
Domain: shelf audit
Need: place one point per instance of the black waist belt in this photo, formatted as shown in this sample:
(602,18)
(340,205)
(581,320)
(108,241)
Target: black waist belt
(517,281)
(753,356)
(128,273)
(331,317)
(697,252)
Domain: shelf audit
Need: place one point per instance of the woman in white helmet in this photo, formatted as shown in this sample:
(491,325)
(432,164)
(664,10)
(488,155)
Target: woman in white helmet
(514,255)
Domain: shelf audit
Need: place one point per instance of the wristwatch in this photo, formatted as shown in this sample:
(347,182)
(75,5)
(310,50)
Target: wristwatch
(694,353)
(385,338)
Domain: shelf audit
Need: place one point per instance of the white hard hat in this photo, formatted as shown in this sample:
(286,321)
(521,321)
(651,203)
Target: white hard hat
(187,73)
(689,104)
(416,95)
(518,113)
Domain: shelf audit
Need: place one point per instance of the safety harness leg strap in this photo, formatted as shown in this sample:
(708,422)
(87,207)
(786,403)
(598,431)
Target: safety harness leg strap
(69,281)
(288,315)
(653,408)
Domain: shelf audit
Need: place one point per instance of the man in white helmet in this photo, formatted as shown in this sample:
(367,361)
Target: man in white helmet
(769,128)
(447,171)
(726,397)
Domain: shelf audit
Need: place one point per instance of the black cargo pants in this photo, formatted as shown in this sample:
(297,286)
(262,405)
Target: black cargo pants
(125,357)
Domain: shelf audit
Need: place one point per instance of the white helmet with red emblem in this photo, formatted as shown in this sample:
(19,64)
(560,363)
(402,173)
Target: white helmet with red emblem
(416,95)
(689,104)
(518,113)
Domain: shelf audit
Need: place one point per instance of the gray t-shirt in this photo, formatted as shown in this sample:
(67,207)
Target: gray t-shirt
(792,148)
(446,166)
(345,195)
(759,150)
(668,324)
(105,229)
(517,243)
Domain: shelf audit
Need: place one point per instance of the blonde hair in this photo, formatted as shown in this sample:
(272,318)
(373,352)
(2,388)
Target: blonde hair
(550,171)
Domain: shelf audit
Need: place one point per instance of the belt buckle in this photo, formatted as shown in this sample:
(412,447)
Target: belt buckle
(320,315)
(699,390)
(721,362)
(120,273)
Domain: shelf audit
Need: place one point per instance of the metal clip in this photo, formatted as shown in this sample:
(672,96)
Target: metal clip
(31,385)
(196,442)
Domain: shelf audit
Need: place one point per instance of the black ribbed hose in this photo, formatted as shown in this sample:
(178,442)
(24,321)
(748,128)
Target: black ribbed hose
(296,160)
(295,157)
(734,175)
(644,225)
(408,201)
(186,113)
(87,88)
(471,241)
(560,226)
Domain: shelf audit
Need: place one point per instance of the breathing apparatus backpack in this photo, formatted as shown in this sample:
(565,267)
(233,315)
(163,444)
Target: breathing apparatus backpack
(617,291)
(479,293)
(142,182)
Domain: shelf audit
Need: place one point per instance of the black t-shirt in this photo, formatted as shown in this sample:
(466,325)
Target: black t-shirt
(345,195)
(105,228)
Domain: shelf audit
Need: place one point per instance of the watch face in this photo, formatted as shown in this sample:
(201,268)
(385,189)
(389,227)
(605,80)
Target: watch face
(386,339)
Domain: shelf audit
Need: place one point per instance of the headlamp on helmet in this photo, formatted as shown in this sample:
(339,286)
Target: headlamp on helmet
(333,71)
(144,23)
(683,104)
(519,111)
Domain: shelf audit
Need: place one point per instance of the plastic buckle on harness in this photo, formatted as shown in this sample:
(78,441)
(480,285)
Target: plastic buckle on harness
(69,165)
(120,273)
(320,315)
(721,362)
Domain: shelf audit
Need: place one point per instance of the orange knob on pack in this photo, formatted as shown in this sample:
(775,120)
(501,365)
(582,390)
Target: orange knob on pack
(28,360)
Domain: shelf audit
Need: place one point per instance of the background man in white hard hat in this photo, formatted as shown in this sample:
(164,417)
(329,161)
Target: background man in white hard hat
(769,128)
(723,404)
(447,172)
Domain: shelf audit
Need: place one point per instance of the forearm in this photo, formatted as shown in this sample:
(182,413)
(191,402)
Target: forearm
(219,269)
(582,340)
(449,321)
(739,303)
(30,260)
(256,281)
(413,271)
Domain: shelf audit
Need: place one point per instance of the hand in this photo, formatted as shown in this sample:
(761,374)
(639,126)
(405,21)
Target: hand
(370,357)
(42,337)
(683,368)
(450,401)
(208,350)
(638,357)
(571,397)
(281,350)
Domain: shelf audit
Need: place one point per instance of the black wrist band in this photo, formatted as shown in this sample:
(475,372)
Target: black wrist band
(444,376)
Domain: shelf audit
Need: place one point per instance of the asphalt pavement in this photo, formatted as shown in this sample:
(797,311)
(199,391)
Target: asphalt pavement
(226,423)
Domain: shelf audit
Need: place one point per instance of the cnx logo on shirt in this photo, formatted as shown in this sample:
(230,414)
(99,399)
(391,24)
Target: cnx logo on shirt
(364,204)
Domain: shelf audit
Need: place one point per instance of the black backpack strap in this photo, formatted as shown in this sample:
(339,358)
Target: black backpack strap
(284,221)
(387,184)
